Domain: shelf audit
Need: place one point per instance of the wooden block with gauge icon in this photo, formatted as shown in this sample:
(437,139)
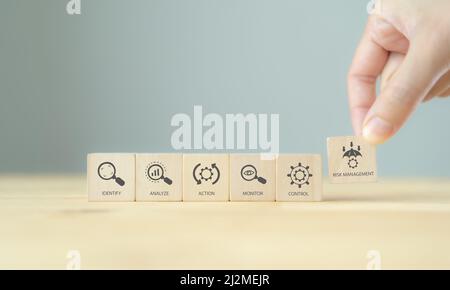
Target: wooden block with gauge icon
(205,177)
(299,177)
(110,177)
(351,160)
(252,177)
(159,177)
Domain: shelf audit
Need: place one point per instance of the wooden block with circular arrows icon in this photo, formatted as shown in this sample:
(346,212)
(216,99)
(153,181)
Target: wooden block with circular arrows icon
(252,177)
(351,159)
(206,177)
(110,177)
(299,177)
(159,177)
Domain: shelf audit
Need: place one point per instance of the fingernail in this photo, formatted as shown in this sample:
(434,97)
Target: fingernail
(377,130)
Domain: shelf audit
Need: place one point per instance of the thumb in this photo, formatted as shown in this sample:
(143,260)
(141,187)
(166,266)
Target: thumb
(420,70)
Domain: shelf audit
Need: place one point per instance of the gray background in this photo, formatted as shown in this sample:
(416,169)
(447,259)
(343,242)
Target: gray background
(112,78)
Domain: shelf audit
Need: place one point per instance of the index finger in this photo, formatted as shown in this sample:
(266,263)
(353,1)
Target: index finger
(368,63)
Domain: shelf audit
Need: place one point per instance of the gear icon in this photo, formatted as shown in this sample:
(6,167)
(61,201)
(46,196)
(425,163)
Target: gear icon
(352,154)
(206,173)
(300,175)
(353,163)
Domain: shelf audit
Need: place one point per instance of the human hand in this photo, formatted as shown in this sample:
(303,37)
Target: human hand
(408,43)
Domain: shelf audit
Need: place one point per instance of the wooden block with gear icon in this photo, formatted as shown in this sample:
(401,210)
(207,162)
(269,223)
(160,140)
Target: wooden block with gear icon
(205,177)
(299,177)
(159,177)
(351,159)
(111,177)
(252,177)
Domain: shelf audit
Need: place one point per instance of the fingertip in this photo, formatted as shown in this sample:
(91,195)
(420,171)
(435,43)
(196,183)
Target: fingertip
(377,130)
(358,116)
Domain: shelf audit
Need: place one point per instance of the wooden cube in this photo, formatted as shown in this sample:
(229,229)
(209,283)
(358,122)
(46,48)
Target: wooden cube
(252,178)
(159,177)
(110,177)
(299,177)
(351,159)
(205,177)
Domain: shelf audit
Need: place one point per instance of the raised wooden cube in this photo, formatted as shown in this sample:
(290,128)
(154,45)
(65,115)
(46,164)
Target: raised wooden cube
(351,159)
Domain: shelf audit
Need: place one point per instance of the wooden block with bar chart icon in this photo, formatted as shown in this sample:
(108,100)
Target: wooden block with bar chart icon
(351,159)
(299,177)
(159,177)
(205,177)
(110,177)
(252,177)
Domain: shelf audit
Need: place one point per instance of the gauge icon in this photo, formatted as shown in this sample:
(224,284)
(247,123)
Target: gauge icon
(107,171)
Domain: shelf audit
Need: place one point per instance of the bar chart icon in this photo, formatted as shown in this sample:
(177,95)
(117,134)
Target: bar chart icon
(155,173)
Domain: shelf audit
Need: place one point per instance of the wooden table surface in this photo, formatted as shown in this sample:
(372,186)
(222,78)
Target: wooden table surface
(393,223)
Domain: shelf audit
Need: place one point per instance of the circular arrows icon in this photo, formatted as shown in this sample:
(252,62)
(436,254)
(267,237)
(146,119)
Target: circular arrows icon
(204,174)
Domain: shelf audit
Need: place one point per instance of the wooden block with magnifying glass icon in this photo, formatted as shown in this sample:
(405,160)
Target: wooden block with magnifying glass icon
(252,177)
(110,177)
(299,177)
(159,177)
(205,177)
(351,160)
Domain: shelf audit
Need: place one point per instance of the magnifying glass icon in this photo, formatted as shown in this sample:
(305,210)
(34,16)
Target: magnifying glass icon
(107,171)
(249,173)
(156,172)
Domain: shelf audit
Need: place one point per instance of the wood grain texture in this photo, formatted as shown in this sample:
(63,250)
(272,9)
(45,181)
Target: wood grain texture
(407,221)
